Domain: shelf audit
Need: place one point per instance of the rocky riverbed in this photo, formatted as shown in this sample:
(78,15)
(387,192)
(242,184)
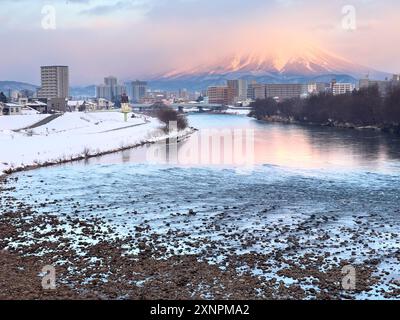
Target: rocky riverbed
(251,251)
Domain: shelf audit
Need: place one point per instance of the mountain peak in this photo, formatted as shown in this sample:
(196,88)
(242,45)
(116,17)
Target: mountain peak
(300,61)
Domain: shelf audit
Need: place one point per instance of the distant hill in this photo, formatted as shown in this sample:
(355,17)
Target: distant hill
(15,85)
(78,92)
(83,92)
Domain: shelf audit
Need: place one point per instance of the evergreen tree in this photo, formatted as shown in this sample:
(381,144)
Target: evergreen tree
(3,98)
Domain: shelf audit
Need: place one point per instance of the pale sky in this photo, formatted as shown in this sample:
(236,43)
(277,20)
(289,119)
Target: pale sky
(138,38)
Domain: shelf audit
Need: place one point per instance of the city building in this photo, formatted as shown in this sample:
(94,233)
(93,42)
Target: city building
(383,85)
(260,91)
(111,81)
(10,109)
(220,95)
(285,91)
(57,105)
(104,104)
(183,95)
(54,82)
(318,87)
(239,88)
(13,95)
(137,90)
(79,105)
(37,105)
(282,91)
(251,90)
(341,88)
(110,90)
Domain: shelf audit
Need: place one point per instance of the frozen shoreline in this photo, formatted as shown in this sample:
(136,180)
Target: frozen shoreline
(74,136)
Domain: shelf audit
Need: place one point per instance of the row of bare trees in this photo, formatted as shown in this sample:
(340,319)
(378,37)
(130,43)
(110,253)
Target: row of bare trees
(364,107)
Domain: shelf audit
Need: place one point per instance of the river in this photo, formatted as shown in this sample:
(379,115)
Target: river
(335,190)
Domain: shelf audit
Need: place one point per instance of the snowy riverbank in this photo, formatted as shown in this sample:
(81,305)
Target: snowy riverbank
(72,136)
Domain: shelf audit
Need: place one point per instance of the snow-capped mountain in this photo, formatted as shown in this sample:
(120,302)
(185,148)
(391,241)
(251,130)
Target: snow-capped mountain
(306,64)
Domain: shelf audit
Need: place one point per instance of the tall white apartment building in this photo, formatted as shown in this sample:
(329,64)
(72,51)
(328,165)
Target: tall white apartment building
(54,82)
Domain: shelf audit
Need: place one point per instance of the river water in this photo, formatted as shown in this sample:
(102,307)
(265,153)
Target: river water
(264,184)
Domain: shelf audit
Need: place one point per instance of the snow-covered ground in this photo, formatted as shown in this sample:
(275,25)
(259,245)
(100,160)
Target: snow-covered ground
(20,121)
(238,111)
(70,136)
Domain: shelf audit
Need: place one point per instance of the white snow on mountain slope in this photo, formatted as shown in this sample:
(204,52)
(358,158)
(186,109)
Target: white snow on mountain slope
(306,61)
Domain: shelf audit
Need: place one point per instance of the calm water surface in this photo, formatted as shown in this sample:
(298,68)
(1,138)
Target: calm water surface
(300,147)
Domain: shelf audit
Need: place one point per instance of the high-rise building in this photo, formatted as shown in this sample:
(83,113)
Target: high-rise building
(251,89)
(239,89)
(137,90)
(220,95)
(110,90)
(111,81)
(54,82)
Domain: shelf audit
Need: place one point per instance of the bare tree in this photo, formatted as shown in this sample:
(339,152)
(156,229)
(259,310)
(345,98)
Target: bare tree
(167,115)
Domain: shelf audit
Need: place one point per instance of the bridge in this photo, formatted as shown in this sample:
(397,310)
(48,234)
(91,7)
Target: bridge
(181,107)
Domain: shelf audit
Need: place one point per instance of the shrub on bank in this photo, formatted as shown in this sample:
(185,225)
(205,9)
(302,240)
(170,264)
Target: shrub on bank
(167,116)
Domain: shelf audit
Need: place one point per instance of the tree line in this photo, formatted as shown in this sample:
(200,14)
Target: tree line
(364,107)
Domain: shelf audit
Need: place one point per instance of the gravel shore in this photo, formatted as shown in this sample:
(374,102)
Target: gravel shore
(92,261)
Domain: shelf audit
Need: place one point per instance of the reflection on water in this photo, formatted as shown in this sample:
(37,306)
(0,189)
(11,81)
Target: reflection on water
(271,143)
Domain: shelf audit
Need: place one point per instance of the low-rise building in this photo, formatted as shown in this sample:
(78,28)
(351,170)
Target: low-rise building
(37,105)
(278,91)
(259,91)
(317,87)
(338,88)
(104,104)
(28,111)
(57,105)
(285,91)
(11,109)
